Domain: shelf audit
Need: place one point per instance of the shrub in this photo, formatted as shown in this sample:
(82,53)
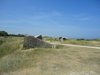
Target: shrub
(3,33)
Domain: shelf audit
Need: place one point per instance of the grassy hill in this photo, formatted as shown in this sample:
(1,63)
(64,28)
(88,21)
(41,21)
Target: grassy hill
(47,61)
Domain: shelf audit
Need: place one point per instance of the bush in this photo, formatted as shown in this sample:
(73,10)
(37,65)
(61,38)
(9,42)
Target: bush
(3,33)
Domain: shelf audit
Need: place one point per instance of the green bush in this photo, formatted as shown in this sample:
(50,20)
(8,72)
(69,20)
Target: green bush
(3,33)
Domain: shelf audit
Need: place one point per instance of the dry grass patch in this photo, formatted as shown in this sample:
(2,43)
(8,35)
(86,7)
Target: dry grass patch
(62,61)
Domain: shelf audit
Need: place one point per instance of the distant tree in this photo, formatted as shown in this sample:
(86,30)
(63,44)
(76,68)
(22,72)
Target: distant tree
(64,39)
(60,38)
(3,33)
(80,39)
(20,35)
(96,39)
(17,35)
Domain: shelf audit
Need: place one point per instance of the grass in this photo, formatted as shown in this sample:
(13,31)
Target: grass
(9,45)
(49,61)
(61,47)
(94,42)
(1,42)
(82,42)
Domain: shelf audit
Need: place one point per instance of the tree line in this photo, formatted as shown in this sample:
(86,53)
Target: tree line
(4,33)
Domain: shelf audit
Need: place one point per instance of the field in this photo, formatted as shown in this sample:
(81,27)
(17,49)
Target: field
(62,60)
(85,42)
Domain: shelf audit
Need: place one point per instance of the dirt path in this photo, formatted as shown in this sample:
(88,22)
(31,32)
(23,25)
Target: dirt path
(76,45)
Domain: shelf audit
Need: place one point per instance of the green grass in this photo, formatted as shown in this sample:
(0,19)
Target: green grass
(61,47)
(82,42)
(94,42)
(41,61)
(1,42)
(48,61)
(9,45)
(51,39)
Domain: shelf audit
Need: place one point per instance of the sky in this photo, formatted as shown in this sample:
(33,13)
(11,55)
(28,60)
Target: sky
(66,18)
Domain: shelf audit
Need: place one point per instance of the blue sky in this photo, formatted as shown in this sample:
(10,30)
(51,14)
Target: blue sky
(68,18)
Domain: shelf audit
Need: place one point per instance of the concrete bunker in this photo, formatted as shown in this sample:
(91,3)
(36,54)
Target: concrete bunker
(32,42)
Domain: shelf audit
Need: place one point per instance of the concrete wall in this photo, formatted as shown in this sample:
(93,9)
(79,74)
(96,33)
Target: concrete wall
(32,42)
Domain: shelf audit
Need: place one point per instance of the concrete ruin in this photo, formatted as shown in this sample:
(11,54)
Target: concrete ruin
(32,42)
(39,37)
